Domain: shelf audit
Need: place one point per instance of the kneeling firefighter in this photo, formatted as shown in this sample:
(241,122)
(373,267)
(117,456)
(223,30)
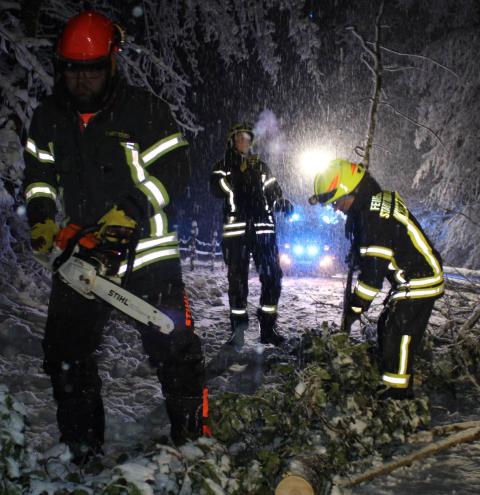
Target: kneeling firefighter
(387,242)
(251,196)
(112,154)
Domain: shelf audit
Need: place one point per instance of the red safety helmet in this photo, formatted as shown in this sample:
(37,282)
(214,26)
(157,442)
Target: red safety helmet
(89,37)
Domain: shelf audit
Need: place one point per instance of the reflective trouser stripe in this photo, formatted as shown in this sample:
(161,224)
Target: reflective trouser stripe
(269,309)
(234,233)
(40,189)
(395,380)
(406,339)
(238,311)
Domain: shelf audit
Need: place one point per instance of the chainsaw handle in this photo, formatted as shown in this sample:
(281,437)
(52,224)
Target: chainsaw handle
(71,244)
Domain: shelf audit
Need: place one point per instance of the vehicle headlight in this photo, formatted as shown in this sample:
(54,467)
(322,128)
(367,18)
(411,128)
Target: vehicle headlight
(285,260)
(326,261)
(312,250)
(298,249)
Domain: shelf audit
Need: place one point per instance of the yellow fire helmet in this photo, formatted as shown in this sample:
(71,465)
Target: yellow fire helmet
(338,179)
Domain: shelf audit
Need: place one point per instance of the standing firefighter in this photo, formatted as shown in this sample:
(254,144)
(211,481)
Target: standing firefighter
(387,241)
(113,156)
(251,196)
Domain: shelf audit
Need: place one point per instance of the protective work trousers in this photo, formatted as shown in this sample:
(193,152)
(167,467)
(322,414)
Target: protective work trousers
(73,333)
(236,254)
(400,331)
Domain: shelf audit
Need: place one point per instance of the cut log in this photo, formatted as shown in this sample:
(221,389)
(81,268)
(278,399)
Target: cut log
(294,485)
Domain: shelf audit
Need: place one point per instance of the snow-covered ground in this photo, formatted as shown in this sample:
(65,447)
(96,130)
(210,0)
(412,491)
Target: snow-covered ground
(133,399)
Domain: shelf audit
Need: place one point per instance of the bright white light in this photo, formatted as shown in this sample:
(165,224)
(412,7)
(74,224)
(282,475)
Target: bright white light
(314,161)
(295,217)
(326,261)
(312,250)
(298,249)
(326,248)
(286,246)
(285,260)
(326,219)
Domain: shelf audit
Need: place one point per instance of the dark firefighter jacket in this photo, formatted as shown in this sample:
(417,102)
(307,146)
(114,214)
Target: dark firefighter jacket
(250,192)
(389,242)
(131,154)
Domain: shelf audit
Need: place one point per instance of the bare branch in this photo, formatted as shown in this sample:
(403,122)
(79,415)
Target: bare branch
(413,121)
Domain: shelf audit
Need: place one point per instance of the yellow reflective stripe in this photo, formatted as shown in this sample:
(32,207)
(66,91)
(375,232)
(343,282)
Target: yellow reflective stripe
(416,236)
(419,293)
(356,309)
(159,224)
(395,380)
(269,309)
(425,282)
(163,147)
(41,155)
(365,291)
(233,233)
(377,251)
(227,189)
(406,339)
(134,162)
(151,242)
(269,181)
(238,311)
(156,193)
(40,189)
(150,257)
(228,226)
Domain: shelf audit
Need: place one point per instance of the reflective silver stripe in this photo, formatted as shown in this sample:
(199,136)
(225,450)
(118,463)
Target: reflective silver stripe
(404,354)
(156,193)
(234,225)
(134,161)
(150,257)
(264,232)
(158,224)
(395,380)
(226,188)
(150,243)
(424,282)
(40,189)
(233,233)
(162,147)
(380,251)
(220,172)
(40,155)
(269,181)
(264,225)
(419,293)
(238,311)
(269,309)
(365,291)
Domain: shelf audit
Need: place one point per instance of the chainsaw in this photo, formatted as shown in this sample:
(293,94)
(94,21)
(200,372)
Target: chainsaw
(90,268)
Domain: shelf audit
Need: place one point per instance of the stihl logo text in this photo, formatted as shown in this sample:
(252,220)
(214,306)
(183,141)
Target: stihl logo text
(118,297)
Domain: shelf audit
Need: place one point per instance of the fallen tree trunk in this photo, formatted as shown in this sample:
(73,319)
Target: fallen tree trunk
(437,431)
(465,436)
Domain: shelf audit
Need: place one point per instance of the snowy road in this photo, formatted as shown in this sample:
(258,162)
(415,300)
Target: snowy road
(133,399)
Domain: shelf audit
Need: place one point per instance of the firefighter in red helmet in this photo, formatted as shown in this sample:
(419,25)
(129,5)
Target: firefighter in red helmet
(112,155)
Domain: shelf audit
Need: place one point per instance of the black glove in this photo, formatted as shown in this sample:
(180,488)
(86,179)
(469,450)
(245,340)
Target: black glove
(285,206)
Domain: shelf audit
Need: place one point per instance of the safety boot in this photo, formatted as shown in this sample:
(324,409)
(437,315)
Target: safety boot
(185,415)
(268,329)
(239,325)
